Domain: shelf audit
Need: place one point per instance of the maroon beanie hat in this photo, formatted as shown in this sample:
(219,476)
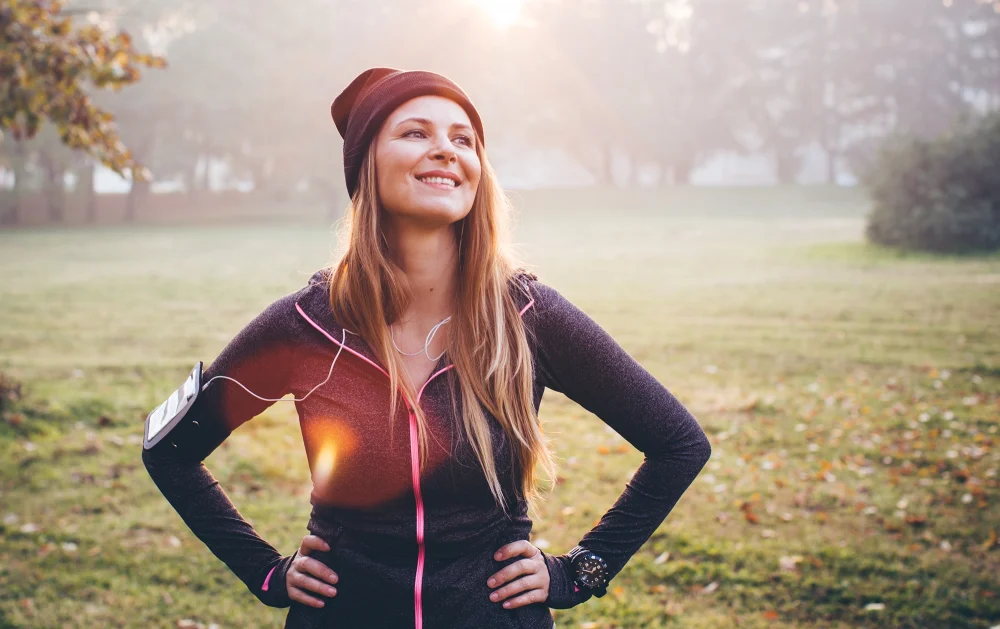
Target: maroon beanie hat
(364,105)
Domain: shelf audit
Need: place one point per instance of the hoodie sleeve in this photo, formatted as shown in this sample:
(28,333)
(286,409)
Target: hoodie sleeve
(260,357)
(575,356)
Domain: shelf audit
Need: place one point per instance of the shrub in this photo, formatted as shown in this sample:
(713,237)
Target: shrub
(939,195)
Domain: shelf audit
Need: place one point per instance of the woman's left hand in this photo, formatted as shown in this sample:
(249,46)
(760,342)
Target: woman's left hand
(533,584)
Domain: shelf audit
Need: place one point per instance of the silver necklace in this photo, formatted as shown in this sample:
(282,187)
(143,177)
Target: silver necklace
(427,342)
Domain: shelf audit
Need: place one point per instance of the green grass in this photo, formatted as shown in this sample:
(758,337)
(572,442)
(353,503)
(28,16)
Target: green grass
(851,394)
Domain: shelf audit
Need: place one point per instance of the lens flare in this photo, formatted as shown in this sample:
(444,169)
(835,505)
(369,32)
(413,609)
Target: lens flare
(325,462)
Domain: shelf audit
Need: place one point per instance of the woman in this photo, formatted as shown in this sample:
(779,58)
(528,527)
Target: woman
(417,363)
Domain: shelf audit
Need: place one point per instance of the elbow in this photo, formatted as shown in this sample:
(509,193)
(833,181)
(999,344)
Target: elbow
(700,450)
(703,450)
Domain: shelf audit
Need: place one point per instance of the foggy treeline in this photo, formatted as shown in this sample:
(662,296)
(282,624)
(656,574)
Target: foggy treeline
(630,92)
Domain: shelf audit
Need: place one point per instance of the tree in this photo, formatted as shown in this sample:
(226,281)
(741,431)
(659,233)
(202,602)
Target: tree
(49,63)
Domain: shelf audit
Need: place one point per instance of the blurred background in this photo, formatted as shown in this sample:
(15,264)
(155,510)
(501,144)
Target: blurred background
(631,94)
(787,211)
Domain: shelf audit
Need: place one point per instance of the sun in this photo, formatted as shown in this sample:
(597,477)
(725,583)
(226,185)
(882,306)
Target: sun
(504,13)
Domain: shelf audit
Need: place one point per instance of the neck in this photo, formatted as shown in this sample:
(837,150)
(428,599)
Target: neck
(429,259)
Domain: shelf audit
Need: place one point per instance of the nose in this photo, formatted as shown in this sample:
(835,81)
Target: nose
(444,151)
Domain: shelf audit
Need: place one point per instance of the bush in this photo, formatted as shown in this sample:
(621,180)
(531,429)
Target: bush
(939,195)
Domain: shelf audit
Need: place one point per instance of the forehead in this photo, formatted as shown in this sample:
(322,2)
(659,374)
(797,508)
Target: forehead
(438,109)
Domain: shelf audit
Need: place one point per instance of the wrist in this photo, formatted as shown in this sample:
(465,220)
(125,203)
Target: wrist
(563,591)
(273,590)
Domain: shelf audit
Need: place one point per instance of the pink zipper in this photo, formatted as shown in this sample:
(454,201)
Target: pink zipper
(418,582)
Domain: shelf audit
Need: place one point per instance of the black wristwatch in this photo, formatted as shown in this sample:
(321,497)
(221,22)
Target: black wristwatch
(591,572)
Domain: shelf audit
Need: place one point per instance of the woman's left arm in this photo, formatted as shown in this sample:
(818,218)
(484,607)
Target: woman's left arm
(575,356)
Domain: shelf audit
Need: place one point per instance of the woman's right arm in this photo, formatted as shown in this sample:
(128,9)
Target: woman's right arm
(261,357)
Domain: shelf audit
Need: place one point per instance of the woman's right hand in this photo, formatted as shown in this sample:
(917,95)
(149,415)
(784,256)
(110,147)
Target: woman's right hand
(310,576)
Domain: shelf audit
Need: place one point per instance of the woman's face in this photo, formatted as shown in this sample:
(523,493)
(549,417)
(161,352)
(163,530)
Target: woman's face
(426,163)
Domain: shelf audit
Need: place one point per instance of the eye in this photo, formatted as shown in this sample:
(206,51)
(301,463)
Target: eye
(464,139)
(412,131)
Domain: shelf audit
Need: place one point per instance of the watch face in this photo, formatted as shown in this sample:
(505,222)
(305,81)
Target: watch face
(591,571)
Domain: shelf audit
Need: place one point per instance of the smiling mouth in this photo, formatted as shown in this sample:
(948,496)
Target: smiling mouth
(439,182)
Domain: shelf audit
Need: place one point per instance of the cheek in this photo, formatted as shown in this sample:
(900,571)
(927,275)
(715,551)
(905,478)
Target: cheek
(473,172)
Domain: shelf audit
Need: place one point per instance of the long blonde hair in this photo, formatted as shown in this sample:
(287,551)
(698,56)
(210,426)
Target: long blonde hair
(488,343)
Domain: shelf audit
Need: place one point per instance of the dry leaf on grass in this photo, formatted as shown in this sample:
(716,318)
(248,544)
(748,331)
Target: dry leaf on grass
(991,540)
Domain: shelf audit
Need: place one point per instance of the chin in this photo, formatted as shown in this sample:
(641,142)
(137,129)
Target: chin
(437,214)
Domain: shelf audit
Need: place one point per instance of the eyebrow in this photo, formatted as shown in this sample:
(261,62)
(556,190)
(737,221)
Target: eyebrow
(425,121)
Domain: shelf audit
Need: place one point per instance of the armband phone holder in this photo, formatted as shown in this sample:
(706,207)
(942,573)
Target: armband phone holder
(167,415)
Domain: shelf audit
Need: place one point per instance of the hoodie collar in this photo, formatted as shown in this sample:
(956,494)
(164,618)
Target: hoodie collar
(314,301)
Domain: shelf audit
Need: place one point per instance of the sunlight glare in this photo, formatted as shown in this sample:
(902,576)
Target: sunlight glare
(504,13)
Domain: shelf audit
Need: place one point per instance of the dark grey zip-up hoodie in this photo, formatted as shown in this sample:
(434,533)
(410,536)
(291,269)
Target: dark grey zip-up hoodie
(413,546)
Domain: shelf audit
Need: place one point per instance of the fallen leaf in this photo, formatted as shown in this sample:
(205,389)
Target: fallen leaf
(28,605)
(991,540)
(915,520)
(711,587)
(664,556)
(770,615)
(789,563)
(874,607)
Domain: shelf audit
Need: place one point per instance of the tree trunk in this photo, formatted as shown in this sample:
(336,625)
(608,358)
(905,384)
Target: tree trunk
(193,179)
(136,195)
(607,165)
(11,214)
(786,165)
(54,186)
(682,170)
(88,192)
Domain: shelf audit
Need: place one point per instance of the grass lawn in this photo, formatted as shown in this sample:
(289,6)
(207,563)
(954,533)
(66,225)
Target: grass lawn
(852,396)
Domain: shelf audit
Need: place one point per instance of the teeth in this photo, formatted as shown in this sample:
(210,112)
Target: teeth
(443,180)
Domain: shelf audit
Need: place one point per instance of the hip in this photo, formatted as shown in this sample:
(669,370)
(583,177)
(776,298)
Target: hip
(376,586)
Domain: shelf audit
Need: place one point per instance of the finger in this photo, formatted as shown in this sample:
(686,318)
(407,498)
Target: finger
(300,596)
(316,568)
(304,582)
(520,547)
(534,596)
(530,582)
(312,542)
(524,566)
